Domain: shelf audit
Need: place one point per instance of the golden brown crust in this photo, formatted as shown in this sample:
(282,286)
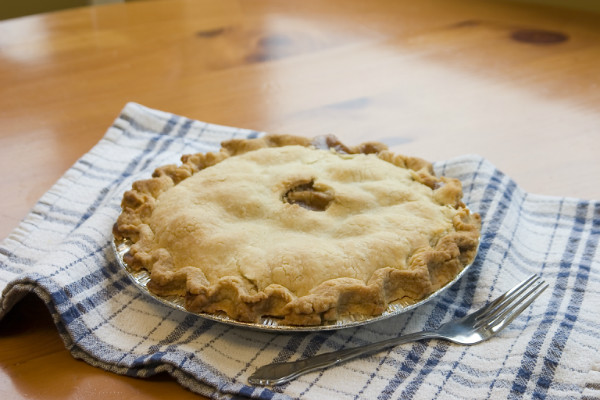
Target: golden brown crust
(164,241)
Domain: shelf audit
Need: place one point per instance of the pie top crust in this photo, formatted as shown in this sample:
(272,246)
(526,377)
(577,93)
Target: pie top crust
(301,230)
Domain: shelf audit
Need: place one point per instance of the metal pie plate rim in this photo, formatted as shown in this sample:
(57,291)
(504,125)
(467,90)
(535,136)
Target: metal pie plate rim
(142,277)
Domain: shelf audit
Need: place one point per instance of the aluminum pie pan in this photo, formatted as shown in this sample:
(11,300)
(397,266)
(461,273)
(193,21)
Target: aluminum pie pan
(142,277)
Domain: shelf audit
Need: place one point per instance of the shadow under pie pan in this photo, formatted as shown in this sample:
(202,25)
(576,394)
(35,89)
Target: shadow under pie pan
(142,277)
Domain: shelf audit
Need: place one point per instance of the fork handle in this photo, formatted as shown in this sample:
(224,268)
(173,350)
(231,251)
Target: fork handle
(278,373)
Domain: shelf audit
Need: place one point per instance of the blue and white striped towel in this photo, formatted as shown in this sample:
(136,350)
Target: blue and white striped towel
(62,252)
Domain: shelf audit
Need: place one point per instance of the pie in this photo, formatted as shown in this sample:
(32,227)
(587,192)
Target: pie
(298,230)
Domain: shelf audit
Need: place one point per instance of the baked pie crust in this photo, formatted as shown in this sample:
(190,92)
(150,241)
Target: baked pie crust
(304,231)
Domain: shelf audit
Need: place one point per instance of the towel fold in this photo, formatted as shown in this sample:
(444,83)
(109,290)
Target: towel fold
(62,253)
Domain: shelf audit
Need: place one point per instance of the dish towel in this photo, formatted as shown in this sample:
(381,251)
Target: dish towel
(62,253)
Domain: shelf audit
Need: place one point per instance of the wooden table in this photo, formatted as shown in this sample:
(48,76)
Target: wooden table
(517,84)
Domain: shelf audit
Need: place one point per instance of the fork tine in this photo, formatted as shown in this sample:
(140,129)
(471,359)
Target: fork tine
(504,317)
(507,297)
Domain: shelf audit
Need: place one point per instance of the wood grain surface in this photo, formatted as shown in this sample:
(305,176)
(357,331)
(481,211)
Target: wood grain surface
(517,84)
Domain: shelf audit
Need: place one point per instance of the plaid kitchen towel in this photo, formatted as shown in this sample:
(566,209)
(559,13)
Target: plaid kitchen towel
(62,252)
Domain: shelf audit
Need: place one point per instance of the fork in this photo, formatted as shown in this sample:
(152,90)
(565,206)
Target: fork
(471,329)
